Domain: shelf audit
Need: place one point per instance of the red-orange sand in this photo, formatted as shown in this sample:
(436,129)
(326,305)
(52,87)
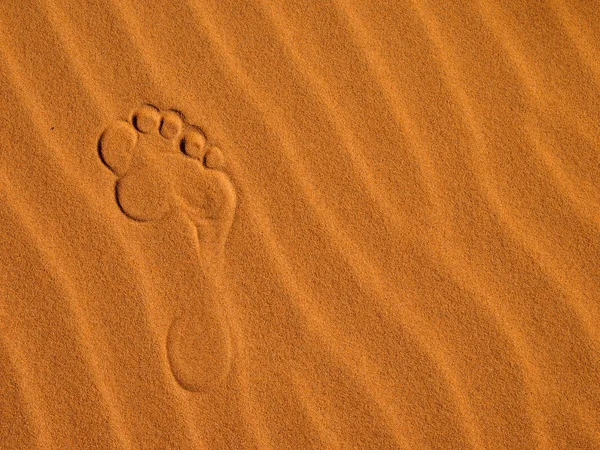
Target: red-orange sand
(341,224)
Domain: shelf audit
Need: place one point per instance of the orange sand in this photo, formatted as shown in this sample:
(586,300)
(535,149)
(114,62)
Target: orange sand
(299,225)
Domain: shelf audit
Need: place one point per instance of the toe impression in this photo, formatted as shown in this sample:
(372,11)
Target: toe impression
(214,158)
(194,144)
(147,119)
(171,125)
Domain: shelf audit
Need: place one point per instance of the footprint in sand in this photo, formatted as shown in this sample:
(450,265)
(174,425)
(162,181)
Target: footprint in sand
(166,166)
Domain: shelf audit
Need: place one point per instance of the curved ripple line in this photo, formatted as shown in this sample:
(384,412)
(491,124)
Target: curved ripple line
(259,430)
(316,415)
(522,64)
(577,32)
(25,92)
(334,114)
(574,29)
(330,335)
(65,33)
(517,227)
(462,100)
(558,175)
(543,96)
(461,274)
(346,244)
(561,178)
(32,232)
(513,336)
(36,408)
(590,424)
(376,194)
(254,203)
(123,9)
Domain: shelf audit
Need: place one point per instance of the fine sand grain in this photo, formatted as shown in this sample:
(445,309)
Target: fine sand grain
(299,225)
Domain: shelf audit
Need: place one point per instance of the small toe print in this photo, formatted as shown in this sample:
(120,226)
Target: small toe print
(171,125)
(116,147)
(147,119)
(214,158)
(193,144)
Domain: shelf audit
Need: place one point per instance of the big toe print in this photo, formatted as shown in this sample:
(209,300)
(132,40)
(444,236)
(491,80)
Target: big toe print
(163,166)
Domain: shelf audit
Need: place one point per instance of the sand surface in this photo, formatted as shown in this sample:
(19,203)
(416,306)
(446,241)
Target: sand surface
(341,224)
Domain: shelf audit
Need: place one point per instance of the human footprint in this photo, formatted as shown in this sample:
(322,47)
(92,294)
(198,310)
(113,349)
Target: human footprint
(165,166)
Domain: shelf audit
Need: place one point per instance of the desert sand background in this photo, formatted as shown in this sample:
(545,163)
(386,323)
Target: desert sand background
(413,261)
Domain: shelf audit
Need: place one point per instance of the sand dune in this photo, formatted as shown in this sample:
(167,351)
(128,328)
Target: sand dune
(304,225)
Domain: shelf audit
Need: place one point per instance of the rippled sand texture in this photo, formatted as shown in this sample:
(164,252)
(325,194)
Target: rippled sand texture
(397,245)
